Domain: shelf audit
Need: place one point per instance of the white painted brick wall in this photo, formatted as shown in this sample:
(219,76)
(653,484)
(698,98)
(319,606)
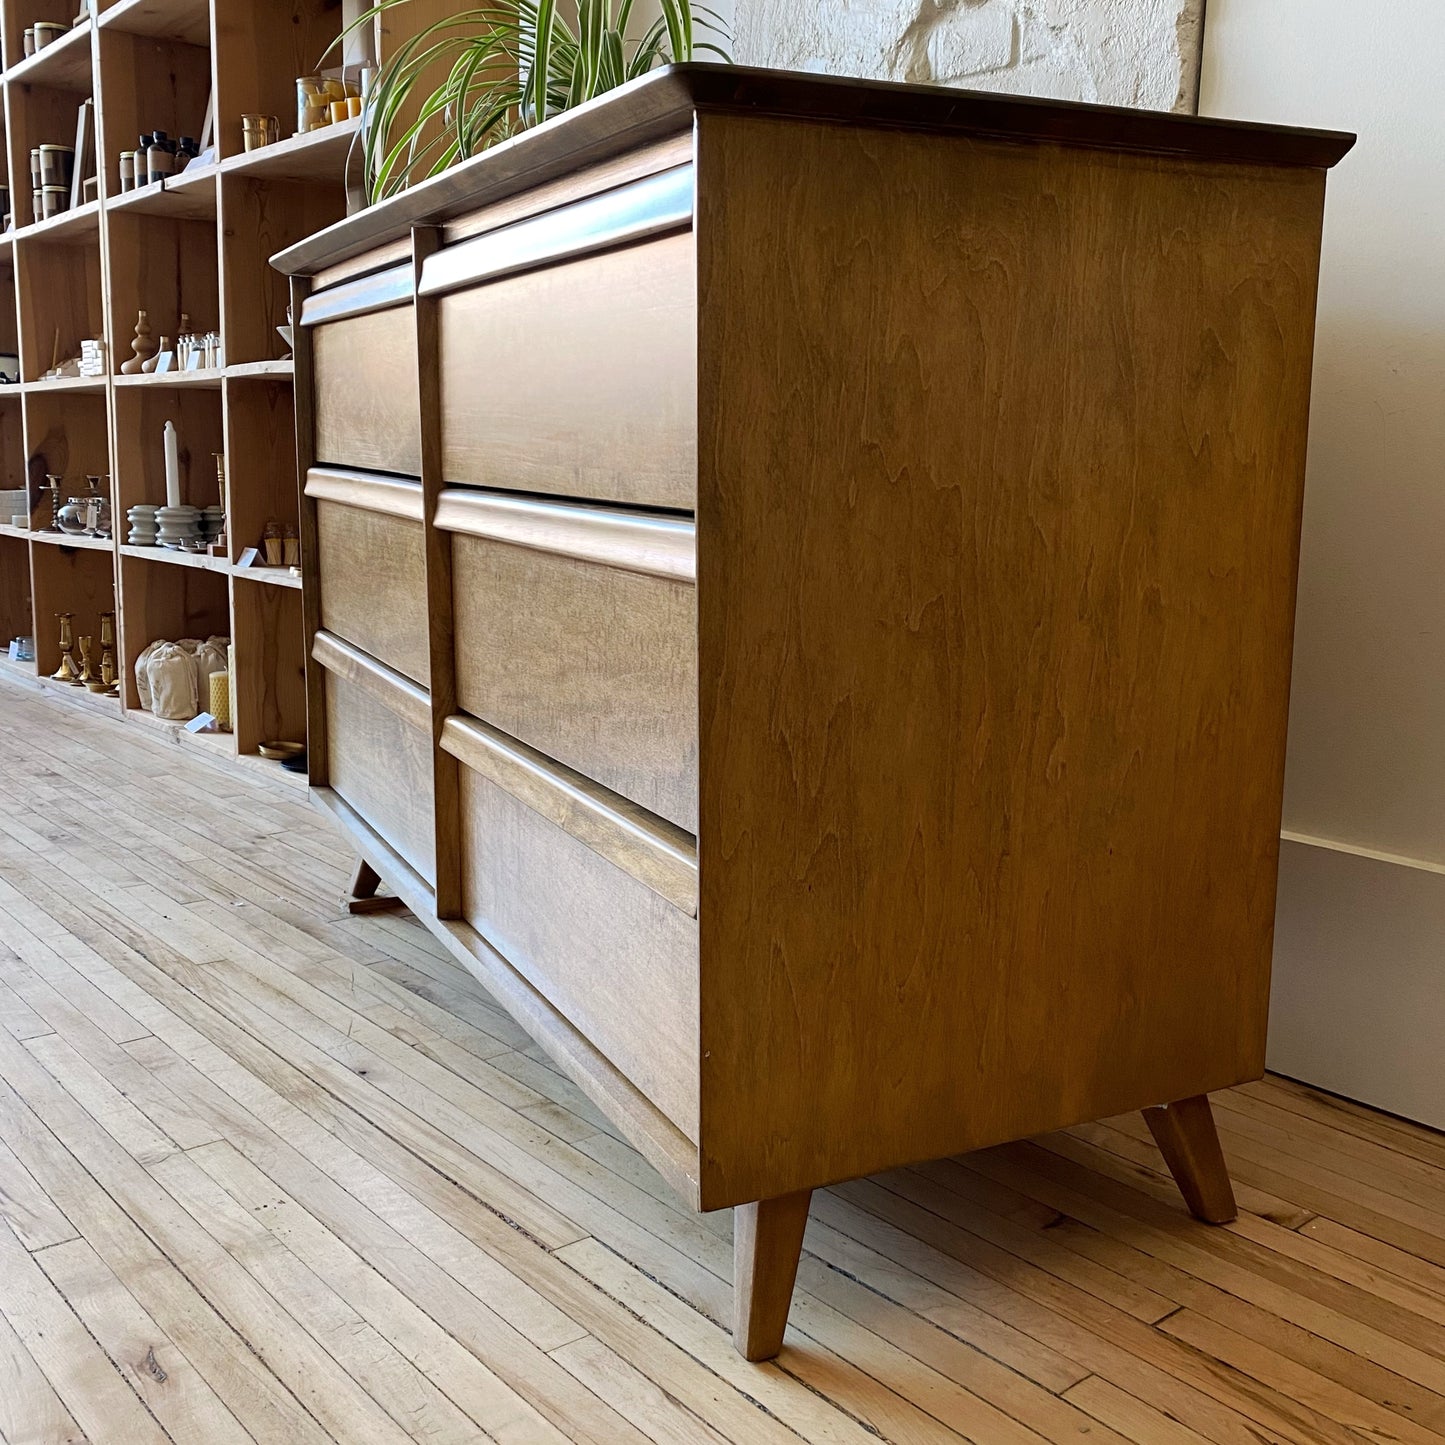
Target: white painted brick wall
(1119,52)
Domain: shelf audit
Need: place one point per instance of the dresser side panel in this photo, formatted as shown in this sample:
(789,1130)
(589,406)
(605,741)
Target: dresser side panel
(1001,461)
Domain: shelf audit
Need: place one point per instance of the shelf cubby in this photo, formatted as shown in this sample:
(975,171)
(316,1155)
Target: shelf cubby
(67,434)
(64,64)
(68,578)
(141,414)
(148,84)
(60,290)
(21,14)
(17,615)
(261,47)
(37,115)
(262,218)
(260,460)
(12,444)
(160,603)
(166,268)
(268,629)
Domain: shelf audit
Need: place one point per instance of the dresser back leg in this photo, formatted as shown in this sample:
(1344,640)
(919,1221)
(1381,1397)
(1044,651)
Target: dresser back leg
(1189,1142)
(767,1240)
(361,896)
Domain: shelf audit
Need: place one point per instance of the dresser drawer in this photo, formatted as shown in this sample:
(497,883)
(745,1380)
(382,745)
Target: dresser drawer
(364,368)
(379,760)
(576,632)
(617,960)
(372,565)
(577,379)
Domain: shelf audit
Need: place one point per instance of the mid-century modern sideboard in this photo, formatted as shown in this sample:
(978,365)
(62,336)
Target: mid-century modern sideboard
(800,578)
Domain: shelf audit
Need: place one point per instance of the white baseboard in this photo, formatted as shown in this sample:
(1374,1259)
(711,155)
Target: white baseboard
(1358,1002)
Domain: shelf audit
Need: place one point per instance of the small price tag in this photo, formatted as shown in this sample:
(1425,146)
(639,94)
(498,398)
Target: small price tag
(201,723)
(248,557)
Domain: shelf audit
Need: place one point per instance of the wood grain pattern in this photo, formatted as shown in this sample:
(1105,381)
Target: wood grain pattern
(440,614)
(392,496)
(257,217)
(372,584)
(267,628)
(656,1137)
(593,666)
(58,291)
(382,767)
(366,394)
(993,709)
(650,849)
(398,694)
(767,1238)
(624,215)
(655,546)
(578,380)
(349,1145)
(613,957)
(1189,1142)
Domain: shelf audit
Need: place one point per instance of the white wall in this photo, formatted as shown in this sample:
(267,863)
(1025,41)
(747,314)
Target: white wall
(1119,52)
(1359,999)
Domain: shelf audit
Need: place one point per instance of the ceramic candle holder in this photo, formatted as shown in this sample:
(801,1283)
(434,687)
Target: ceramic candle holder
(142,525)
(177,525)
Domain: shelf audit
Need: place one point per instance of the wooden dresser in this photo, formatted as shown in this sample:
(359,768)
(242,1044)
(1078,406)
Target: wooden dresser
(800,581)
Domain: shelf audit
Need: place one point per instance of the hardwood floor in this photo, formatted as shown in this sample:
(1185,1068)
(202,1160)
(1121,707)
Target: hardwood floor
(273,1173)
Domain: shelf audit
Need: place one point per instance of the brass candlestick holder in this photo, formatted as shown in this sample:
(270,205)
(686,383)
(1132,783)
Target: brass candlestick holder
(109,678)
(89,677)
(68,671)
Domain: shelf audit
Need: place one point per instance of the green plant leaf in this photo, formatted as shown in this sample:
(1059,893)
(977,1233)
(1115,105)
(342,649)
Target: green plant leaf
(461,83)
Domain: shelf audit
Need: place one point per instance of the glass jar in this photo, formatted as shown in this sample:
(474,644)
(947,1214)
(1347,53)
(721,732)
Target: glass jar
(313,103)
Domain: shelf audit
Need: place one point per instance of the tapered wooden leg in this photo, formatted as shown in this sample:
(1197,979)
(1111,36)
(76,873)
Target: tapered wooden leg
(361,897)
(767,1240)
(1189,1142)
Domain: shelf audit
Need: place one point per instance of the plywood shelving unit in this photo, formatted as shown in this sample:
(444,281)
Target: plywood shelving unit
(199,244)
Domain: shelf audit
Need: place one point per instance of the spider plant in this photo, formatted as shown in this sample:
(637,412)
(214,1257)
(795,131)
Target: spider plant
(506,66)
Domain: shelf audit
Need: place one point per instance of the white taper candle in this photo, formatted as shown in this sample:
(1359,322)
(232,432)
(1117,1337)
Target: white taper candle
(173,466)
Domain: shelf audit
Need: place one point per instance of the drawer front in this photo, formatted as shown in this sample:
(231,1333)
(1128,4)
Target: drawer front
(366,399)
(382,766)
(372,556)
(578,379)
(615,959)
(588,662)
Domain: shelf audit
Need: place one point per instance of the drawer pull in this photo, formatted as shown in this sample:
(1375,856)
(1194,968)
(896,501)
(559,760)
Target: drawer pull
(400,695)
(632,212)
(658,854)
(377,292)
(372,493)
(652,545)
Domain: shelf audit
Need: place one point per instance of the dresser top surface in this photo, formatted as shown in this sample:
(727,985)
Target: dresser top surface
(666,101)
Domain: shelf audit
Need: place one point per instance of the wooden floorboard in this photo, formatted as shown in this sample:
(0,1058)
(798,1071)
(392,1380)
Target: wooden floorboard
(273,1173)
